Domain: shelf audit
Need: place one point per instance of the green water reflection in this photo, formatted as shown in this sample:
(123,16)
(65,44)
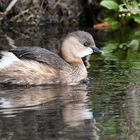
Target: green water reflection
(116,78)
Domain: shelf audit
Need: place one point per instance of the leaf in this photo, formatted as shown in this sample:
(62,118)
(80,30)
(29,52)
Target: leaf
(136,18)
(134,45)
(122,8)
(123,46)
(109,4)
(110,47)
(133,5)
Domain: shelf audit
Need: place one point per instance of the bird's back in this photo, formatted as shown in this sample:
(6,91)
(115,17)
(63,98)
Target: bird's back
(33,66)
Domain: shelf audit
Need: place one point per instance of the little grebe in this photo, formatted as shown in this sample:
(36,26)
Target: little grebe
(36,66)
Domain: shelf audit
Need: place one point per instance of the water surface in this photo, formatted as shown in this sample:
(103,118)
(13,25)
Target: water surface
(106,109)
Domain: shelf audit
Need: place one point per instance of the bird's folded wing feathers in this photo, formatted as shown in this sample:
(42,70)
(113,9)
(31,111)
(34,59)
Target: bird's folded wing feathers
(41,55)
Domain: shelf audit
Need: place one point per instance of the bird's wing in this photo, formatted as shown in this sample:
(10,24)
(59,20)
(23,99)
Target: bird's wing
(41,55)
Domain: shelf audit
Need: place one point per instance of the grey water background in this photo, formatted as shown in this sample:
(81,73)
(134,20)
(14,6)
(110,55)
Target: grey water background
(108,108)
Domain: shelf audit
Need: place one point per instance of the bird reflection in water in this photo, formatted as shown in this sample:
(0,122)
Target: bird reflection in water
(69,101)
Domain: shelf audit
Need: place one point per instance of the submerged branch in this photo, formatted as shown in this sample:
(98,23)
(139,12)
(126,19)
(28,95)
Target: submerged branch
(11,42)
(10,6)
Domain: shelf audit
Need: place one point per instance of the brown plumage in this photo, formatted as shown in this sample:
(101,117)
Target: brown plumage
(36,66)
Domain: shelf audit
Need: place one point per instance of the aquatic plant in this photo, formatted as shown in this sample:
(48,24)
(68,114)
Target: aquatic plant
(124,49)
(121,12)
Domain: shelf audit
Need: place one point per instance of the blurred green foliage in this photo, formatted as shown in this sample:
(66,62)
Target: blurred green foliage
(125,50)
(121,11)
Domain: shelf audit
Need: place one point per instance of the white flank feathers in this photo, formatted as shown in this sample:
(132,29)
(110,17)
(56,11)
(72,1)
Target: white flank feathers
(8,58)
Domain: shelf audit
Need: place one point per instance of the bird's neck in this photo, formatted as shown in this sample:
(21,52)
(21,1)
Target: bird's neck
(79,72)
(76,62)
(70,53)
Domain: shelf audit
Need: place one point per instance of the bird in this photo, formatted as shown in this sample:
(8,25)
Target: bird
(39,66)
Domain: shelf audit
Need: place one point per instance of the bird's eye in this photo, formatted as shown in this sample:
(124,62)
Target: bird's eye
(86,44)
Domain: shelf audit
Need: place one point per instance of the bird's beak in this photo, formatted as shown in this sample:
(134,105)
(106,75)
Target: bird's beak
(97,51)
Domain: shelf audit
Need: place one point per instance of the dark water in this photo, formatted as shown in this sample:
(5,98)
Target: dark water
(106,109)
